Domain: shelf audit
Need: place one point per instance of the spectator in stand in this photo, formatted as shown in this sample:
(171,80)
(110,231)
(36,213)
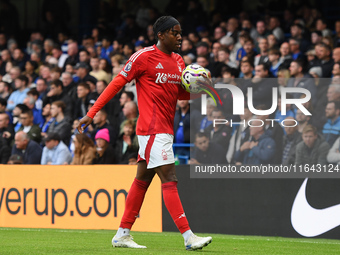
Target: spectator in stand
(5,151)
(261,149)
(313,149)
(85,150)
(276,30)
(56,93)
(55,73)
(316,38)
(261,30)
(105,152)
(294,47)
(30,69)
(3,106)
(296,31)
(58,54)
(5,57)
(302,120)
(262,58)
(203,61)
(69,86)
(18,96)
(130,112)
(187,48)
(219,134)
(84,57)
(273,57)
(289,110)
(105,65)
(333,93)
(46,113)
(48,47)
(301,80)
(321,25)
(247,69)
(19,59)
(290,140)
(29,150)
(127,142)
(81,105)
(73,56)
(206,152)
(240,135)
(42,90)
(45,73)
(331,130)
(82,70)
(208,120)
(106,48)
(18,109)
(30,101)
(5,90)
(33,131)
(232,28)
(55,151)
(15,160)
(128,50)
(117,66)
(262,87)
(286,57)
(100,121)
(336,37)
(60,124)
(98,73)
(336,55)
(325,61)
(333,156)
(275,132)
(6,128)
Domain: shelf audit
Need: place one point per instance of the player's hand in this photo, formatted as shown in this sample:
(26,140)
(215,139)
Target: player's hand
(206,81)
(86,121)
(6,134)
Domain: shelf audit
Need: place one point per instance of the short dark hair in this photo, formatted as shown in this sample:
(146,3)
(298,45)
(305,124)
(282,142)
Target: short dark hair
(57,83)
(201,134)
(129,94)
(24,78)
(85,85)
(336,104)
(33,92)
(60,104)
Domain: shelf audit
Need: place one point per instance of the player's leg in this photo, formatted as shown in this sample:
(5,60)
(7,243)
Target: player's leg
(167,175)
(133,204)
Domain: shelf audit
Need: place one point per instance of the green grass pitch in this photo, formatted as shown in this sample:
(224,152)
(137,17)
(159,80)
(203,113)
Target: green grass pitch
(57,241)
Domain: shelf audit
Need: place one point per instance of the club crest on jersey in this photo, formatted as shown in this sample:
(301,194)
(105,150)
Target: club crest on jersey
(164,155)
(128,66)
(179,67)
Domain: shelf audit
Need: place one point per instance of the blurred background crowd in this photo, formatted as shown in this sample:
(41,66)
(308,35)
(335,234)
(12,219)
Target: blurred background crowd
(51,75)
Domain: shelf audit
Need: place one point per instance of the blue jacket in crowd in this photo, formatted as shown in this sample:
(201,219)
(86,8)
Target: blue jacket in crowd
(331,131)
(263,153)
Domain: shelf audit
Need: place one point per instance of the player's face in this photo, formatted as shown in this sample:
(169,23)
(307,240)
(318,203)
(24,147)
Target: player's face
(173,38)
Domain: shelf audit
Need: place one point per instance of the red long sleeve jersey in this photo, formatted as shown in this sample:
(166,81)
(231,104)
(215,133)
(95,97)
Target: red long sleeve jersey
(158,81)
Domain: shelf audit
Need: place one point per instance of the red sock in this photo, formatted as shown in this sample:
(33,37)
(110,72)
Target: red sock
(174,206)
(134,202)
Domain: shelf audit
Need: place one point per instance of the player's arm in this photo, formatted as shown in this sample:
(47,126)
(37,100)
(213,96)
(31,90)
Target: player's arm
(111,90)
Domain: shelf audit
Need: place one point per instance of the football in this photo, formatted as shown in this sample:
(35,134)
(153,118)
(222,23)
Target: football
(190,75)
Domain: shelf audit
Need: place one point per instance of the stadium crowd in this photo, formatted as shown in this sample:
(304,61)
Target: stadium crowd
(47,86)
